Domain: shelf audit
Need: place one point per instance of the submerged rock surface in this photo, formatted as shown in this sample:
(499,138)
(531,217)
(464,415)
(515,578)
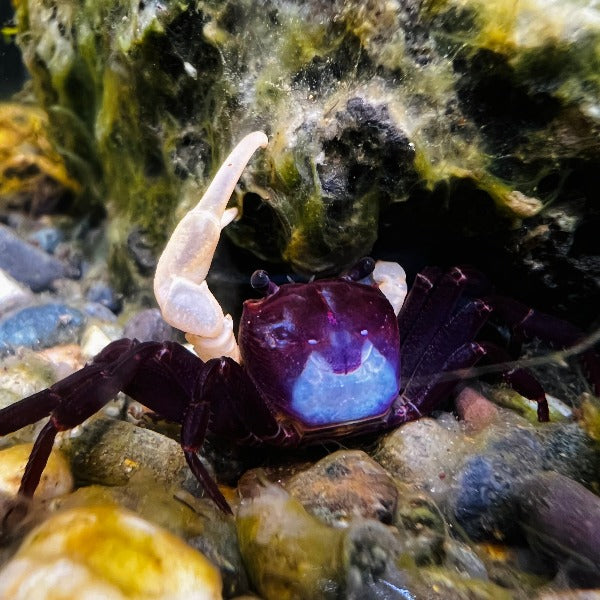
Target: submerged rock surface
(464,105)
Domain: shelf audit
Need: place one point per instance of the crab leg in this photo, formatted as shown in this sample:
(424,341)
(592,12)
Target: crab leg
(179,283)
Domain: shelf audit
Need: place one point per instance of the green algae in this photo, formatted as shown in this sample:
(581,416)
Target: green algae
(365,104)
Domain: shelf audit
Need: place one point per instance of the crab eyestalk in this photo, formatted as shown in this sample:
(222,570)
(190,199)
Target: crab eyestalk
(179,283)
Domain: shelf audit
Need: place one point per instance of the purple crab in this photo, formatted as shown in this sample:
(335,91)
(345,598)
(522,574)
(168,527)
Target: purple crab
(316,360)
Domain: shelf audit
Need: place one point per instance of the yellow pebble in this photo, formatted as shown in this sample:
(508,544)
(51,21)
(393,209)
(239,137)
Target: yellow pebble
(110,553)
(56,479)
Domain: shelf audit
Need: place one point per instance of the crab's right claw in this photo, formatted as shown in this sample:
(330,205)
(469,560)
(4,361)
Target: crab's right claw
(179,283)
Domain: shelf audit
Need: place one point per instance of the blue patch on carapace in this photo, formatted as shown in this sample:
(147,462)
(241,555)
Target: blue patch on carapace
(322,397)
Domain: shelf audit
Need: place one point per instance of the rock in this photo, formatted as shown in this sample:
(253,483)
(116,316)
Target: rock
(46,238)
(461,558)
(424,453)
(370,552)
(198,522)
(147,326)
(40,327)
(475,409)
(56,479)
(12,294)
(562,520)
(569,450)
(28,264)
(485,491)
(99,311)
(108,553)
(93,340)
(343,486)
(104,294)
(288,553)
(111,452)
(368,105)
(421,521)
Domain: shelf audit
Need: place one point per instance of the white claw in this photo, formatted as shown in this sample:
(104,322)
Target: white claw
(179,282)
(391,280)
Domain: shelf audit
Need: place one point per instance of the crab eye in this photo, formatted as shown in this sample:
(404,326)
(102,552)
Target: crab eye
(261,283)
(363,268)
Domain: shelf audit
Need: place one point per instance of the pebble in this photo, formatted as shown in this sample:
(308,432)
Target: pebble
(562,521)
(485,491)
(47,238)
(12,294)
(40,327)
(344,486)
(424,453)
(111,452)
(288,553)
(102,293)
(29,264)
(197,521)
(56,479)
(110,553)
(475,409)
(99,311)
(148,326)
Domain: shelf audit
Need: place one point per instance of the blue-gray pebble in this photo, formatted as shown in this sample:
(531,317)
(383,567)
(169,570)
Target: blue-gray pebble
(40,327)
(29,264)
(46,238)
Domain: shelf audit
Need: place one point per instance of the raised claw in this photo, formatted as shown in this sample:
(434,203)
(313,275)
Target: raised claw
(179,282)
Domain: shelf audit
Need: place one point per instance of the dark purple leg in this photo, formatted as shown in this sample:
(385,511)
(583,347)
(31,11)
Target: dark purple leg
(228,400)
(521,380)
(237,411)
(193,432)
(436,358)
(422,285)
(434,312)
(528,323)
(423,397)
(80,396)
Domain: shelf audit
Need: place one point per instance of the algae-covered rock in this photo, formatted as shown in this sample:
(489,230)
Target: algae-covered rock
(106,552)
(491,105)
(33,174)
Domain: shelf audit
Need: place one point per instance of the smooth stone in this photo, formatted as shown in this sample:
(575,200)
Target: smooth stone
(425,453)
(562,521)
(46,238)
(485,492)
(148,326)
(12,294)
(199,522)
(111,452)
(30,265)
(346,485)
(40,327)
(99,311)
(110,553)
(56,479)
(93,340)
(104,294)
(475,409)
(569,450)
(288,553)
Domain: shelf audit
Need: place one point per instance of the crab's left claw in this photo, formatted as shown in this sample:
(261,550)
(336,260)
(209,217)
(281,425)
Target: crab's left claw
(179,283)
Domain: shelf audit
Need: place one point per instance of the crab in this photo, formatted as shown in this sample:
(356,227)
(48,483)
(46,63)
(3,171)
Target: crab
(315,360)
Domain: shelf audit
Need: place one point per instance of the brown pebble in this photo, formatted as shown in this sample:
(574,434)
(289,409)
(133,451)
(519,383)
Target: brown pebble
(475,409)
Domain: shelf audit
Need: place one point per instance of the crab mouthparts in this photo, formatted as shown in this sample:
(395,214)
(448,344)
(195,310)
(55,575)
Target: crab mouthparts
(320,396)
